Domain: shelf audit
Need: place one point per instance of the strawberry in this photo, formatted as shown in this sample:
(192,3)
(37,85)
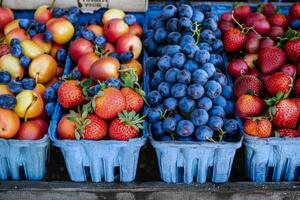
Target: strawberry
(297,87)
(225,26)
(292,50)
(268,9)
(286,132)
(234,40)
(227,16)
(126,126)
(241,12)
(294,12)
(278,20)
(278,82)
(249,106)
(134,101)
(4,49)
(247,84)
(285,113)
(259,127)
(70,94)
(109,103)
(299,128)
(271,59)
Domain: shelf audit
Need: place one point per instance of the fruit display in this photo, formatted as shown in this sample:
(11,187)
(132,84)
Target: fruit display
(264,53)
(191,97)
(102,95)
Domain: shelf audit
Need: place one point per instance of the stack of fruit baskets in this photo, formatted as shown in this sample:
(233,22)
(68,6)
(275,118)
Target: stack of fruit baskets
(191,112)
(32,53)
(97,124)
(264,47)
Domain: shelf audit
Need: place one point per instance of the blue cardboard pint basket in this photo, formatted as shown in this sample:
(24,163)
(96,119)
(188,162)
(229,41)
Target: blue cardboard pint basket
(98,161)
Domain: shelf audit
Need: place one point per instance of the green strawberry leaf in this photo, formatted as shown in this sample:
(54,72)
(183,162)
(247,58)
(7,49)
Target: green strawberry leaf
(286,95)
(269,102)
(77,134)
(84,114)
(73,114)
(272,110)
(276,134)
(251,92)
(279,95)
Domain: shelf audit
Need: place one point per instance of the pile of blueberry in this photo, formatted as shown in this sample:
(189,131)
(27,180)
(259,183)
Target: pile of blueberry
(190,97)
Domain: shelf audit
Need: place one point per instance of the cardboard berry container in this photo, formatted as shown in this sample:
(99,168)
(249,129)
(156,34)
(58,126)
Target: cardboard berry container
(103,160)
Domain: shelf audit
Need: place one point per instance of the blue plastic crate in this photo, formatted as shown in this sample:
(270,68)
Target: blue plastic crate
(98,161)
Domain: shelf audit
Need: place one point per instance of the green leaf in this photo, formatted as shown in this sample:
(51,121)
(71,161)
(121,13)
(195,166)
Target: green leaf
(276,134)
(73,114)
(77,134)
(84,114)
(269,102)
(87,83)
(286,95)
(251,92)
(272,110)
(279,95)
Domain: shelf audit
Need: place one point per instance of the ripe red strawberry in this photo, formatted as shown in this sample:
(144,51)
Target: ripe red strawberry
(110,103)
(292,50)
(297,87)
(294,12)
(241,12)
(247,84)
(287,133)
(134,101)
(278,82)
(285,114)
(4,49)
(70,94)
(126,126)
(249,106)
(278,20)
(234,40)
(268,9)
(271,59)
(260,127)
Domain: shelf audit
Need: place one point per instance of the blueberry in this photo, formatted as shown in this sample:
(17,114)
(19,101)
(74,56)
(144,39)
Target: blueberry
(210,24)
(94,90)
(170,104)
(100,41)
(160,35)
(14,41)
(195,91)
(61,55)
(178,60)
(74,10)
(73,18)
(88,35)
(207,36)
(185,128)
(154,98)
(7,101)
(164,63)
(151,63)
(113,82)
(199,117)
(217,46)
(171,75)
(230,108)
(205,46)
(178,117)
(170,50)
(129,19)
(48,36)
(202,133)
(157,129)
(202,57)
(75,74)
(5,77)
(186,105)
(16,51)
(191,66)
(198,16)
(58,12)
(32,32)
(217,111)
(56,85)
(125,57)
(189,50)
(217,33)
(168,11)
(212,89)
(185,10)
(231,126)
(164,89)
(186,39)
(158,77)
(173,38)
(200,76)
(295,24)
(156,23)
(172,25)
(219,101)
(178,90)
(24,23)
(184,76)
(227,92)
(34,23)
(114,55)
(209,68)
(28,83)
(41,27)
(166,138)
(204,103)
(15,86)
(185,24)
(169,124)
(212,15)
(153,115)
(50,94)
(215,123)
(220,78)
(185,139)
(216,60)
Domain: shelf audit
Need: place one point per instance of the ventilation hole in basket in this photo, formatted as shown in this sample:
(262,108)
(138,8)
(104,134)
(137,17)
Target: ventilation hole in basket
(297,174)
(117,173)
(87,173)
(270,173)
(210,170)
(180,173)
(22,173)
